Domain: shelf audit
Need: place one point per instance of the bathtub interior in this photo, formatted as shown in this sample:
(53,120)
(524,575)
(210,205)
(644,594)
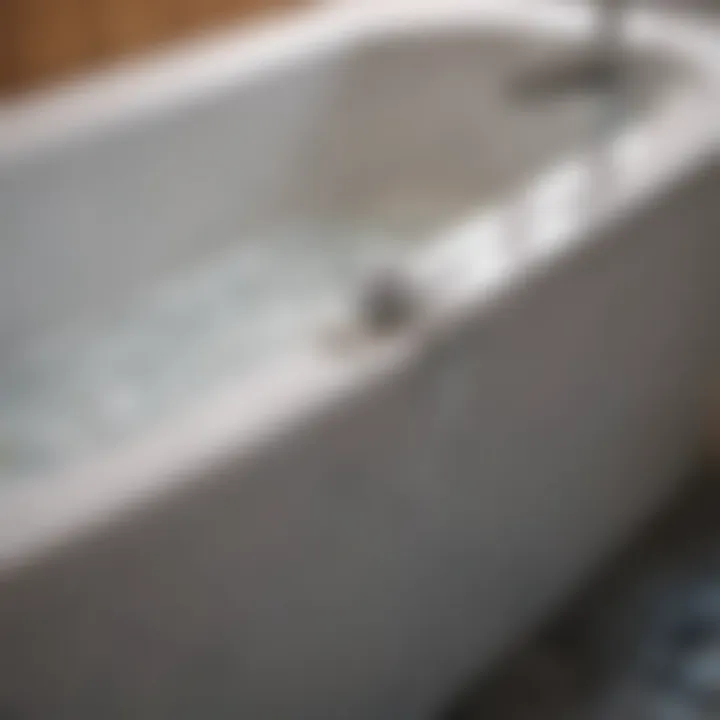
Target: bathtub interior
(145,264)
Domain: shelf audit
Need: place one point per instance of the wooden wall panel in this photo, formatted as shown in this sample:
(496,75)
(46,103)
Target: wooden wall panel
(44,41)
(52,37)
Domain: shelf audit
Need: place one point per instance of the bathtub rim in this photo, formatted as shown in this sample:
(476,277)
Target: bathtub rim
(197,70)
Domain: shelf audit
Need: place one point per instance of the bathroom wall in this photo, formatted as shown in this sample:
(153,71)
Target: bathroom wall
(45,41)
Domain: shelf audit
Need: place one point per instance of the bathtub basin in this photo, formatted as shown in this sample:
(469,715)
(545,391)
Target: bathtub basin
(209,507)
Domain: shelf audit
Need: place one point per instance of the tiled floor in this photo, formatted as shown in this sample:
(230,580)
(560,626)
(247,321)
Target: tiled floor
(641,643)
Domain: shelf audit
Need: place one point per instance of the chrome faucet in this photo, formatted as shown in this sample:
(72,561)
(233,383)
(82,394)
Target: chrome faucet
(599,69)
(611,16)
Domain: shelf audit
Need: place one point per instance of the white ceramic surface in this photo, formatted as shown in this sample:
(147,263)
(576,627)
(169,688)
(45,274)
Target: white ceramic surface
(304,530)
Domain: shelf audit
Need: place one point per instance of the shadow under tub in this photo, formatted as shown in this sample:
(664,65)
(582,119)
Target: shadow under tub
(641,641)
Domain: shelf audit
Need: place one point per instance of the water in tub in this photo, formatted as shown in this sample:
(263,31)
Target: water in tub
(90,386)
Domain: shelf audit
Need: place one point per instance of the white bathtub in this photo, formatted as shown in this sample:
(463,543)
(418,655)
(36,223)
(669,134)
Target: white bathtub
(251,519)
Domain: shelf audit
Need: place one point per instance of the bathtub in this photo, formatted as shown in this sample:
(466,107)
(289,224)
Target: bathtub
(220,494)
